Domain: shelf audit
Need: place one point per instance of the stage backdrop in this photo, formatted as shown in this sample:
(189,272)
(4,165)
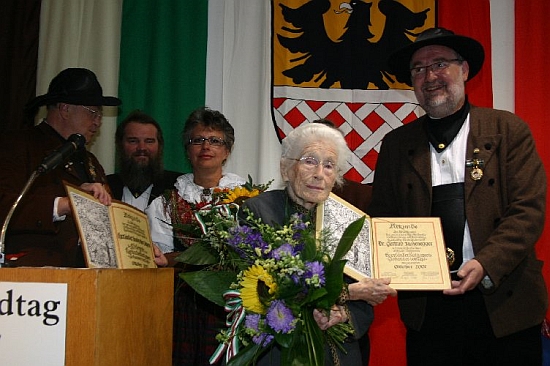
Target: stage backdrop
(219,53)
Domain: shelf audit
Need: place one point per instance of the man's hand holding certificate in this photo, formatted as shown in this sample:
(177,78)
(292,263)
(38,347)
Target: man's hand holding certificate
(410,251)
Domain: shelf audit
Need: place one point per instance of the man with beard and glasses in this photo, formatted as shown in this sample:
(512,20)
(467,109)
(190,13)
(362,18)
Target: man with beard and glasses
(142,177)
(479,171)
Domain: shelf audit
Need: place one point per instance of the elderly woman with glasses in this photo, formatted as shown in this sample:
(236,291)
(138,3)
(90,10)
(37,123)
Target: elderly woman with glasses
(314,157)
(208,138)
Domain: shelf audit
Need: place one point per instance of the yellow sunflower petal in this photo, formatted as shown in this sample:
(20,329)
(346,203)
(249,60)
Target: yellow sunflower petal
(249,288)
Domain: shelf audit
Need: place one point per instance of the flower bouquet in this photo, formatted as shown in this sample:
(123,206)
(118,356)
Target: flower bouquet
(270,279)
(221,201)
(203,228)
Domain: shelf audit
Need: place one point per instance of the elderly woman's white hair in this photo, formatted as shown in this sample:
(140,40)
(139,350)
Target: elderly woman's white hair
(295,143)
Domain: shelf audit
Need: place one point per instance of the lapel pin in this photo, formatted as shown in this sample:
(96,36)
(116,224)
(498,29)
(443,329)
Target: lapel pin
(476,164)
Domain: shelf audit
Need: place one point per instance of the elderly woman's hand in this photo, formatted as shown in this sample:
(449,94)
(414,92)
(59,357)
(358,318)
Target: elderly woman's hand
(326,320)
(372,290)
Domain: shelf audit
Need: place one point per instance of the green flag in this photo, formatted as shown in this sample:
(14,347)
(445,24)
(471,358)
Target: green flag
(163,65)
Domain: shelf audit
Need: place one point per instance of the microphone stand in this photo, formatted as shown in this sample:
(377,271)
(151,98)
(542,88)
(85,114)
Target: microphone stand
(29,183)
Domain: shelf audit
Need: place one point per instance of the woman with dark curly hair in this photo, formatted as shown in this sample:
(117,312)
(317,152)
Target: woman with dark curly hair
(208,138)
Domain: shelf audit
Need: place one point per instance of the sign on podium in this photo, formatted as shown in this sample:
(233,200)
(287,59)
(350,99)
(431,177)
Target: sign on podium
(101,317)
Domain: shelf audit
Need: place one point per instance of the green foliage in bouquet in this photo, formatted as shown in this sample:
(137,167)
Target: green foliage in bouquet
(209,229)
(284,274)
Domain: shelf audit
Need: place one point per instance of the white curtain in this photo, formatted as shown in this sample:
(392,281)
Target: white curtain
(239,83)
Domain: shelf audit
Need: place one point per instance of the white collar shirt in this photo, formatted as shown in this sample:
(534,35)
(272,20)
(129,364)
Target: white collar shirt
(448,167)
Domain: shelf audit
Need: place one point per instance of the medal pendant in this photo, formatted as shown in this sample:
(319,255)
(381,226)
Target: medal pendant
(476,173)
(450,256)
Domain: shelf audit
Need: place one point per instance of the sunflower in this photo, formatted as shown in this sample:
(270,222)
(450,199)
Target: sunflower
(257,284)
(239,194)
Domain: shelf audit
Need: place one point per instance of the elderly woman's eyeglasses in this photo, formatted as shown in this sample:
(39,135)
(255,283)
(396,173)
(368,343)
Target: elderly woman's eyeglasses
(309,162)
(214,141)
(436,67)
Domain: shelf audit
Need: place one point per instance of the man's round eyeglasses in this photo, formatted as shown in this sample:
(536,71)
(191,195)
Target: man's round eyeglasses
(93,112)
(214,141)
(436,67)
(310,162)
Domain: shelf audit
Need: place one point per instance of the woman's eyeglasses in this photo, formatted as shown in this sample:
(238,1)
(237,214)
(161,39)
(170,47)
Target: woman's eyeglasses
(310,162)
(214,141)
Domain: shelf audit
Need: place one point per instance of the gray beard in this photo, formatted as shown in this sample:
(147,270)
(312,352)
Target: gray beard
(437,108)
(139,177)
(440,110)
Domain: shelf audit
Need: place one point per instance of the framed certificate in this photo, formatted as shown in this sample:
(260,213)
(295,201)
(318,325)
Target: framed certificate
(409,250)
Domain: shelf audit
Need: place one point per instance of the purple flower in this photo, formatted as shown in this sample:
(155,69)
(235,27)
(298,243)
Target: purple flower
(252,321)
(243,238)
(297,221)
(315,269)
(284,250)
(263,339)
(299,247)
(298,226)
(279,317)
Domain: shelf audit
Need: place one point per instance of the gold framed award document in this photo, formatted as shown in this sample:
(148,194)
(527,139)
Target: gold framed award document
(409,250)
(115,236)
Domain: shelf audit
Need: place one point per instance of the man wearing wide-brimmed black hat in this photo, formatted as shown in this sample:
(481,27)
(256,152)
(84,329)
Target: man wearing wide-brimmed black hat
(479,171)
(42,231)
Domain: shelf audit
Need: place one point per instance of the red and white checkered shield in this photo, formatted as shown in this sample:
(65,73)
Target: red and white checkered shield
(329,61)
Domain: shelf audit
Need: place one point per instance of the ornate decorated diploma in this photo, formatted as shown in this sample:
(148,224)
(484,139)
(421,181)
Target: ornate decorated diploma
(410,251)
(115,236)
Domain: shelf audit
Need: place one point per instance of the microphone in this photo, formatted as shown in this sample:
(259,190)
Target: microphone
(74,142)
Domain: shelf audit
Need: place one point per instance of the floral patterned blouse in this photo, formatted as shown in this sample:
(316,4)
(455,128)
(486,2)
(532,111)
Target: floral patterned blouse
(169,213)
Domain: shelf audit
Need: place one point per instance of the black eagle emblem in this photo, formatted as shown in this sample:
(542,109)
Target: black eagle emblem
(354,59)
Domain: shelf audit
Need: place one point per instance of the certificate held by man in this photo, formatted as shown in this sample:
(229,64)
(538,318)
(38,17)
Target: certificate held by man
(409,250)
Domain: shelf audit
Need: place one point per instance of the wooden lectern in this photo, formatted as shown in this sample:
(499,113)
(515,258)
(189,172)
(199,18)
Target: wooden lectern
(114,316)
